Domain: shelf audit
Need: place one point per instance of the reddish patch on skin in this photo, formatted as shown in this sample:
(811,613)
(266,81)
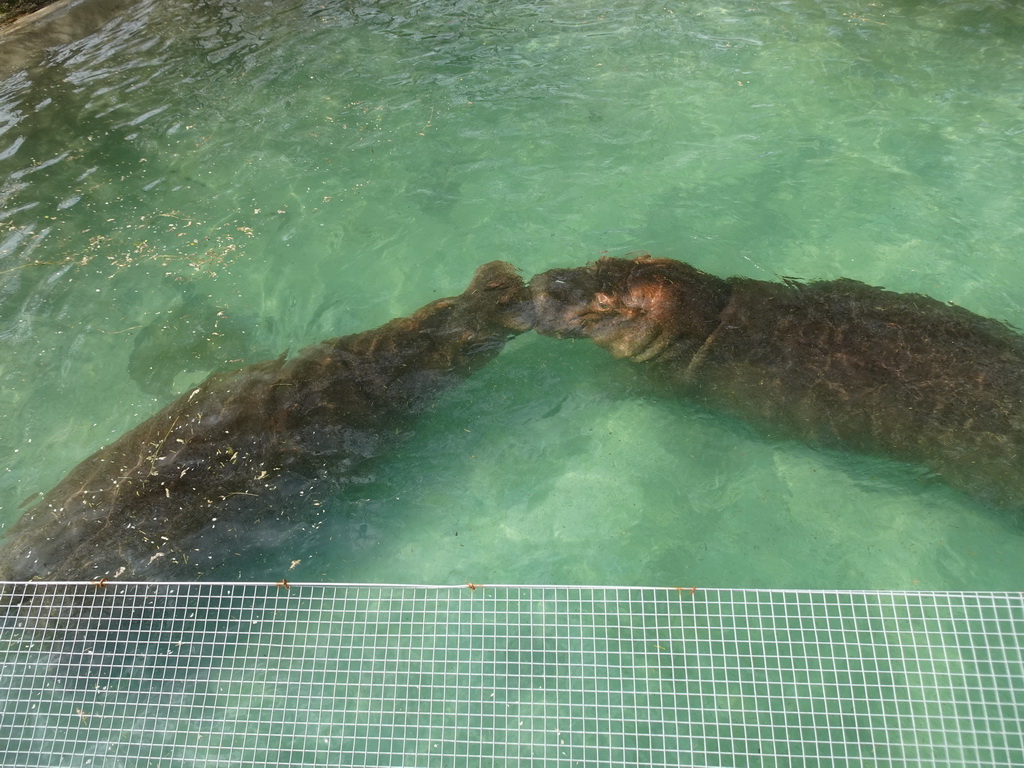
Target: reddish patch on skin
(647,310)
(647,296)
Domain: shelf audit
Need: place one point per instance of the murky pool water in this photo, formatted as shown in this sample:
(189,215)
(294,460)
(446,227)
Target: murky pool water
(200,184)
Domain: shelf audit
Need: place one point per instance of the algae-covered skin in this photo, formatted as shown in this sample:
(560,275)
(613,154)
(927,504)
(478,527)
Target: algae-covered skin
(11,10)
(252,444)
(835,363)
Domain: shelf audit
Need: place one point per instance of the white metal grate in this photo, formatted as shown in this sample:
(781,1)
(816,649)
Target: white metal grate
(324,674)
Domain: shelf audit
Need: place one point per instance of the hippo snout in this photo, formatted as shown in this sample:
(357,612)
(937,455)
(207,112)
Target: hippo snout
(559,295)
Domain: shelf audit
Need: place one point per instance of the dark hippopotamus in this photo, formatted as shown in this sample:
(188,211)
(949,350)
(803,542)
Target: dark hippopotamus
(255,443)
(836,363)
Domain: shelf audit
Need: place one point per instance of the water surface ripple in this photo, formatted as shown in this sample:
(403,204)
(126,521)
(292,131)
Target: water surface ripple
(201,184)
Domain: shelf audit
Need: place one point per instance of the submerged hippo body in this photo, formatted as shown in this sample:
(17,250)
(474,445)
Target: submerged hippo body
(836,363)
(251,444)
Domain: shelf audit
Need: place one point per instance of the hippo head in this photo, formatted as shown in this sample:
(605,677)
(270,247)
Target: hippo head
(498,297)
(496,305)
(465,331)
(635,308)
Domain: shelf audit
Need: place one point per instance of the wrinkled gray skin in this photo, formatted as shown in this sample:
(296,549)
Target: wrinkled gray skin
(836,363)
(258,442)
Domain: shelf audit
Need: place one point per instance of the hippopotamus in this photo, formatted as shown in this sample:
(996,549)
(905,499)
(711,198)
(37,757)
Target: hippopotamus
(254,443)
(832,363)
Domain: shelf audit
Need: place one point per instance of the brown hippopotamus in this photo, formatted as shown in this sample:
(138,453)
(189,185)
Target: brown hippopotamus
(835,363)
(254,443)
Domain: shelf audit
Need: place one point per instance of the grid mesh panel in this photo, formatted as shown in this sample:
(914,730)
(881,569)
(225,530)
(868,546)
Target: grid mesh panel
(313,674)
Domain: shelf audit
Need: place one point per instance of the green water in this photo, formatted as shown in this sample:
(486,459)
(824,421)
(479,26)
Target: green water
(200,184)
